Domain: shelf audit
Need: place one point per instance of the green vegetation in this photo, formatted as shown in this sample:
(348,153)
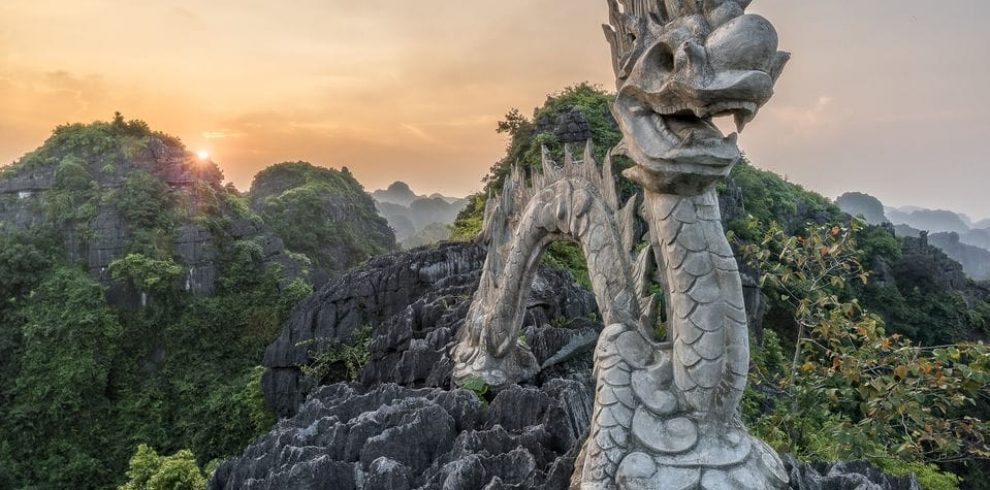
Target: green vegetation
(850,390)
(321,213)
(89,374)
(149,471)
(340,361)
(476,385)
(432,233)
(770,199)
(525,149)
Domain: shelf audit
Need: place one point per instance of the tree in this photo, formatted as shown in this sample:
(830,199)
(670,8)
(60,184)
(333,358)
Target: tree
(852,391)
(58,403)
(149,471)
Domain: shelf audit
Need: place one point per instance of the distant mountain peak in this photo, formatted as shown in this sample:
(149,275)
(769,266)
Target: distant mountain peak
(397,193)
(399,186)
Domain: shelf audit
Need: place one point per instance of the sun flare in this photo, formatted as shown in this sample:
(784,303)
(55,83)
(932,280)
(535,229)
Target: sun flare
(203,154)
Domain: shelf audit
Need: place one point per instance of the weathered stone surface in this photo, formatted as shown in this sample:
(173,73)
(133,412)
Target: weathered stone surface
(677,64)
(395,437)
(416,302)
(856,475)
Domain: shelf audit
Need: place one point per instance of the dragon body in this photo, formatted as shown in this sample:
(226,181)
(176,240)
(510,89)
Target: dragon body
(666,412)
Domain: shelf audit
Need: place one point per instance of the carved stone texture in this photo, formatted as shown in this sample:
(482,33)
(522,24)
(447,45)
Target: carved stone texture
(666,414)
(574,202)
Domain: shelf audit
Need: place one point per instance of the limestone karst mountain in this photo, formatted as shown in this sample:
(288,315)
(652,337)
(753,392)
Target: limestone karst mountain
(397,193)
(862,205)
(417,220)
(137,293)
(953,233)
(933,220)
(109,190)
(321,213)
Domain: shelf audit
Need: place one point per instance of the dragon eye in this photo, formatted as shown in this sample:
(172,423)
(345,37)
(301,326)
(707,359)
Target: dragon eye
(661,56)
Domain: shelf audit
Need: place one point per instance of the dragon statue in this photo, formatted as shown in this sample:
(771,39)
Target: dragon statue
(666,411)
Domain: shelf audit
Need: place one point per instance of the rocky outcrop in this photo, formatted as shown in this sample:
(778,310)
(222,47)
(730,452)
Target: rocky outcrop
(415,304)
(856,475)
(394,438)
(400,425)
(923,263)
(571,126)
(974,260)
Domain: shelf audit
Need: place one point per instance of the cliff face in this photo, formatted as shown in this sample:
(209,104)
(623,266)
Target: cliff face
(955,259)
(109,190)
(974,260)
(416,302)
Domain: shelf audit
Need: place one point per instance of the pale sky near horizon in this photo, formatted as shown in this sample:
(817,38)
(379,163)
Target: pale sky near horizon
(882,96)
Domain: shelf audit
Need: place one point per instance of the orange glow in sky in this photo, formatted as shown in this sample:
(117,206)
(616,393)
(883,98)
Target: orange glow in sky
(881,96)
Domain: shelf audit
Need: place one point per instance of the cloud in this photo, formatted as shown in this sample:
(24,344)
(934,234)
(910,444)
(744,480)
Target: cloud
(419,133)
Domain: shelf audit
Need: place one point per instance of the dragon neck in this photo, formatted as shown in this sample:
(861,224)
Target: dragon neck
(707,316)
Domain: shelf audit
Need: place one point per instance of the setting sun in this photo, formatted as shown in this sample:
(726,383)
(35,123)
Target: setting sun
(203,154)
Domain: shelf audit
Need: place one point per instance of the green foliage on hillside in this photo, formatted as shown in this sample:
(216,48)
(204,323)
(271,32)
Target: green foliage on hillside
(321,213)
(770,199)
(85,382)
(852,391)
(70,339)
(432,233)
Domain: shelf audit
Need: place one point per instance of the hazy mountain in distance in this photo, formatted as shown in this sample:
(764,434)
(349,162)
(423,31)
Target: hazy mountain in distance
(933,220)
(397,193)
(975,260)
(417,219)
(953,233)
(862,205)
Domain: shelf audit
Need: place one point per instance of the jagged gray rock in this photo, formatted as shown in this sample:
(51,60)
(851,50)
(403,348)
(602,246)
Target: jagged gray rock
(855,475)
(383,435)
(391,437)
(416,302)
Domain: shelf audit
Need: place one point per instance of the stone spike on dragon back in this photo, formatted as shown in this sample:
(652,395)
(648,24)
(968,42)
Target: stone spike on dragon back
(666,414)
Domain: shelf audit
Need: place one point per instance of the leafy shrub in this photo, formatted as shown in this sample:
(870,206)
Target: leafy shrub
(149,471)
(340,361)
(852,391)
(147,274)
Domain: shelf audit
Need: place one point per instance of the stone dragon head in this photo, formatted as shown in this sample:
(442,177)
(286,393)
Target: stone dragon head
(678,65)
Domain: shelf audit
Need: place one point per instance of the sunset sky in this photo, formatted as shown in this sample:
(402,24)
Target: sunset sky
(883,96)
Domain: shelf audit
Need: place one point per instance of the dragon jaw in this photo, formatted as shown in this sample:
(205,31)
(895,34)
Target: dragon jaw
(677,69)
